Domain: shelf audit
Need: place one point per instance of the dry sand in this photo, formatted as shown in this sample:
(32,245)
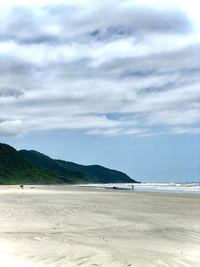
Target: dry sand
(67,226)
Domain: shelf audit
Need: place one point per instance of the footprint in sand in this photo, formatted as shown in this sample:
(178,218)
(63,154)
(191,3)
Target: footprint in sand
(40,238)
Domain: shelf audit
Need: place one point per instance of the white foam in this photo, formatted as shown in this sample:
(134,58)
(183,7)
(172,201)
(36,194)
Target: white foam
(192,188)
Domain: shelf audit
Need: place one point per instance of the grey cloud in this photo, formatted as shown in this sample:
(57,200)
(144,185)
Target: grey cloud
(24,26)
(10,92)
(139,21)
(185,59)
(135,72)
(67,23)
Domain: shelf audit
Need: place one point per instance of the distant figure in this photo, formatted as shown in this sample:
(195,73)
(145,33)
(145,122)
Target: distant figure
(133,187)
(115,187)
(22,186)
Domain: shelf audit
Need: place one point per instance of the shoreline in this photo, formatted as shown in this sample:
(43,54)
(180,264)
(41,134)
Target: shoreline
(137,189)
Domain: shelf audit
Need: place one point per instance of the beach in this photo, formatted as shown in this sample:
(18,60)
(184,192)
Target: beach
(59,226)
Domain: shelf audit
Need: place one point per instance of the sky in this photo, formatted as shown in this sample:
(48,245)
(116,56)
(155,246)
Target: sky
(113,82)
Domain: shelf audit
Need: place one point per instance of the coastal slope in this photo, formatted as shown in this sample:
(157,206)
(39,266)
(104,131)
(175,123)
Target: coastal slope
(16,169)
(80,173)
(32,167)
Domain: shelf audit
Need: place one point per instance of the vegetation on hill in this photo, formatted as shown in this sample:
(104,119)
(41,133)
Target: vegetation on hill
(32,167)
(64,174)
(16,169)
(76,173)
(99,173)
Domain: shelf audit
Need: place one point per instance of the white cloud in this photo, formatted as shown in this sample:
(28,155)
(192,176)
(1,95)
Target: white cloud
(10,128)
(31,3)
(70,65)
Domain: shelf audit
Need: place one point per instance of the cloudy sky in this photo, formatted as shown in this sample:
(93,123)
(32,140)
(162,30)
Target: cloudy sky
(103,78)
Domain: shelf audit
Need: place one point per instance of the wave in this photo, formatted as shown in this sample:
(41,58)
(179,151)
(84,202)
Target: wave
(192,188)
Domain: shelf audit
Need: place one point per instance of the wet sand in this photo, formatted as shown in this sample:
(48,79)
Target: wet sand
(67,226)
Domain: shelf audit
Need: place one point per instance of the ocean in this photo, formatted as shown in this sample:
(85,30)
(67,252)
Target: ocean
(186,188)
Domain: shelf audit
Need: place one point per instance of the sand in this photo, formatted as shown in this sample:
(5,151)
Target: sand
(68,226)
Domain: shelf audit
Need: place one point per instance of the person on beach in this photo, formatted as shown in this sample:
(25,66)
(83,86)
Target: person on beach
(22,186)
(133,187)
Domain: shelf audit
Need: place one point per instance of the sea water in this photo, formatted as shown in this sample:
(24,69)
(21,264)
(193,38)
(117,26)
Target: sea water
(190,188)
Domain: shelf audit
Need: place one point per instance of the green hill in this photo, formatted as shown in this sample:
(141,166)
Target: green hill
(99,173)
(64,174)
(82,174)
(32,167)
(16,169)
